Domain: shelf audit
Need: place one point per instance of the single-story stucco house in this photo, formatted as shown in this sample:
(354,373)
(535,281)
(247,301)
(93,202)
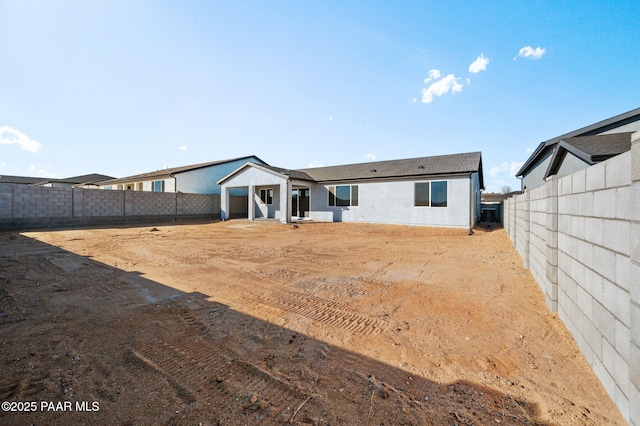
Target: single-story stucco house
(434,191)
(195,179)
(577,150)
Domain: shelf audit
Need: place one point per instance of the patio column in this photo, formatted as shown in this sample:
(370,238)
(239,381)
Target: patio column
(285,201)
(224,203)
(252,202)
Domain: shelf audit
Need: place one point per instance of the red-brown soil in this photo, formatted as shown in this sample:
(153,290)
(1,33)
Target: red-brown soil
(262,323)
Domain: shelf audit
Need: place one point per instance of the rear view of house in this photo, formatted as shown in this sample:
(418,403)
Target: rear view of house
(434,191)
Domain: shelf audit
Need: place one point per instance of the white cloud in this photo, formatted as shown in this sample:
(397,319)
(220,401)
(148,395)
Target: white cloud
(530,150)
(33,167)
(314,164)
(183,148)
(10,136)
(506,169)
(531,53)
(479,64)
(447,84)
(370,156)
(433,74)
(3,164)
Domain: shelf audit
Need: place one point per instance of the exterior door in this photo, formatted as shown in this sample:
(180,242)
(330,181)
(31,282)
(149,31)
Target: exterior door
(299,202)
(303,202)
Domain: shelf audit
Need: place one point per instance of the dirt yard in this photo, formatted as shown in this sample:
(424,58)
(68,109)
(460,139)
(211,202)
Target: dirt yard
(242,323)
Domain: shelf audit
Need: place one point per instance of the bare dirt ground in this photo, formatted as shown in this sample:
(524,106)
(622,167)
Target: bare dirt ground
(262,323)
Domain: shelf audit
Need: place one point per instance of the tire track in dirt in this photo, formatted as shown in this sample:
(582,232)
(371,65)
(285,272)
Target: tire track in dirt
(326,311)
(199,365)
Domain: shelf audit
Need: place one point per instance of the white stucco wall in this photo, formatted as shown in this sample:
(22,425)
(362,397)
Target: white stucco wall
(393,202)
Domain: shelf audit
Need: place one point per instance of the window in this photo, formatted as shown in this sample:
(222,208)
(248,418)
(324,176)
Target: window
(343,195)
(158,186)
(266,195)
(422,194)
(439,194)
(432,194)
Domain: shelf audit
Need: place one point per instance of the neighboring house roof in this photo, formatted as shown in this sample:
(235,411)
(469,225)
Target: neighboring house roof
(590,149)
(165,173)
(412,167)
(22,180)
(493,197)
(76,180)
(591,130)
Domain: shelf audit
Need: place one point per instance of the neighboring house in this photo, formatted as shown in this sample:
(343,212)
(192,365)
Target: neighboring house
(84,181)
(196,178)
(492,206)
(436,191)
(579,149)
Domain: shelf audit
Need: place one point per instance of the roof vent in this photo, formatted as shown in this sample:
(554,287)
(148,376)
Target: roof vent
(373,170)
(421,167)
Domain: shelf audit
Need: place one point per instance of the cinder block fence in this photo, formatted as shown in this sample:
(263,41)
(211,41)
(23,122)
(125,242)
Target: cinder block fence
(580,237)
(33,207)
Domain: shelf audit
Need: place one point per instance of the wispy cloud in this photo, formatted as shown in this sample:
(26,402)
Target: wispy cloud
(506,169)
(480,64)
(3,164)
(370,156)
(11,136)
(314,164)
(531,53)
(183,148)
(442,85)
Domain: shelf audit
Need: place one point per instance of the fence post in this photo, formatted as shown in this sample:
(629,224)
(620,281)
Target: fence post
(551,241)
(634,362)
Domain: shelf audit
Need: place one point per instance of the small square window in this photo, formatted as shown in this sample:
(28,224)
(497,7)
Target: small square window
(266,196)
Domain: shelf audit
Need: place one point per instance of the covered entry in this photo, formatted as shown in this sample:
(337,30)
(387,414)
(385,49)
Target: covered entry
(273,192)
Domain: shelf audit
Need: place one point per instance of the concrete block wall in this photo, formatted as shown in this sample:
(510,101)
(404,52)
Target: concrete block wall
(97,202)
(151,203)
(197,203)
(32,207)
(32,202)
(581,236)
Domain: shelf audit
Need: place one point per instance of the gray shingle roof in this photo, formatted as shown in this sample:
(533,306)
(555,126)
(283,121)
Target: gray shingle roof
(601,145)
(83,179)
(23,180)
(592,129)
(295,174)
(422,166)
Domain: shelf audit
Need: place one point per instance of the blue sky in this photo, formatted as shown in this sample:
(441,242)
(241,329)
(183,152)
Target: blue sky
(126,87)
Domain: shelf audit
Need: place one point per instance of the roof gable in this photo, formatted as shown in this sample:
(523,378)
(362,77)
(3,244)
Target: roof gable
(590,149)
(591,130)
